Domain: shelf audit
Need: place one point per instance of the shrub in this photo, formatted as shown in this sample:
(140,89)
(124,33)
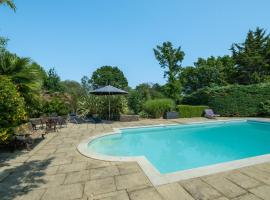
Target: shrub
(233,100)
(157,107)
(12,108)
(265,108)
(56,105)
(186,111)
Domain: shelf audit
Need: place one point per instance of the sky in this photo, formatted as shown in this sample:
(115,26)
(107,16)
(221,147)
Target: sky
(78,36)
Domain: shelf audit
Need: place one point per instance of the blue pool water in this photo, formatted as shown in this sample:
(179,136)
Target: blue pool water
(181,147)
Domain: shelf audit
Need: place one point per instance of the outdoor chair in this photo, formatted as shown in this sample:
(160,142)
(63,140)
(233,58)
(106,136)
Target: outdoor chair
(209,113)
(51,124)
(24,134)
(62,121)
(35,122)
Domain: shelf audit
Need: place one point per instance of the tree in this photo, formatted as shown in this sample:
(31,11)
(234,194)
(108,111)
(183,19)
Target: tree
(3,43)
(108,75)
(75,91)
(52,82)
(170,59)
(213,71)
(252,57)
(11,108)
(27,76)
(9,3)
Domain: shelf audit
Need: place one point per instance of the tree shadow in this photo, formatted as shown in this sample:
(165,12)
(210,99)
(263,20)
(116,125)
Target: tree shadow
(23,178)
(8,154)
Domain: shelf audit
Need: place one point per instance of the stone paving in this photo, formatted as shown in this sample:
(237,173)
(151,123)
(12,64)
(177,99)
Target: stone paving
(55,170)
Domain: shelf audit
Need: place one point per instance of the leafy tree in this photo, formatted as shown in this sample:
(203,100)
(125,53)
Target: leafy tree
(52,82)
(170,59)
(27,76)
(11,108)
(108,75)
(252,57)
(85,83)
(3,43)
(75,91)
(208,72)
(9,3)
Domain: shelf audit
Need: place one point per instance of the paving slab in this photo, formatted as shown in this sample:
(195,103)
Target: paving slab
(72,167)
(257,174)
(224,186)
(33,195)
(145,194)
(262,192)
(173,191)
(64,192)
(243,180)
(247,197)
(99,186)
(76,177)
(104,172)
(128,168)
(131,181)
(200,190)
(118,195)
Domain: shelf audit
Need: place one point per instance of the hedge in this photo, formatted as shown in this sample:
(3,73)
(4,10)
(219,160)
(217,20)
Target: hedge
(186,111)
(233,100)
(156,108)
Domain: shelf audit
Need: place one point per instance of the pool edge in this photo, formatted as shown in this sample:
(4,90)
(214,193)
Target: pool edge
(159,179)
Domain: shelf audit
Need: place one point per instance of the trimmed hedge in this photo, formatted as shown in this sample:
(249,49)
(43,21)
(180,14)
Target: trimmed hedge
(187,111)
(157,107)
(233,100)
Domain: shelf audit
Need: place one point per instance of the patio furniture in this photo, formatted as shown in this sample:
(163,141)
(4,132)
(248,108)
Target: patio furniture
(62,121)
(129,118)
(35,122)
(209,113)
(171,115)
(51,124)
(23,136)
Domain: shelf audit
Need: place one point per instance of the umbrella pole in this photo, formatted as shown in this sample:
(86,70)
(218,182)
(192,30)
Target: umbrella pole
(109,108)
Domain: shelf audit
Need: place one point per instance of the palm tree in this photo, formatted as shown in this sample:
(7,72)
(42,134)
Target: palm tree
(23,73)
(10,3)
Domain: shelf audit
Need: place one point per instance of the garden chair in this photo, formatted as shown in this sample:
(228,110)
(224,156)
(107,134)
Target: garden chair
(24,134)
(209,113)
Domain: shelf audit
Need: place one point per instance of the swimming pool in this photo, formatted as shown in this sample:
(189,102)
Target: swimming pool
(175,148)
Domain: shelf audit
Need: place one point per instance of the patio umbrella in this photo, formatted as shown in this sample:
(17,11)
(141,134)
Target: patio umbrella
(108,90)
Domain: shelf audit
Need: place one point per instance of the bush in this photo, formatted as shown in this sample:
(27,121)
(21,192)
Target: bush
(157,107)
(265,108)
(186,111)
(12,108)
(56,105)
(233,100)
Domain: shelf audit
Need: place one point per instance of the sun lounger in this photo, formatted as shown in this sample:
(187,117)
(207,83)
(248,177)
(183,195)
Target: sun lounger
(209,113)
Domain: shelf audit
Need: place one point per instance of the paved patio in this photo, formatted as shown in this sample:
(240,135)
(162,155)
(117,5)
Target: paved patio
(55,170)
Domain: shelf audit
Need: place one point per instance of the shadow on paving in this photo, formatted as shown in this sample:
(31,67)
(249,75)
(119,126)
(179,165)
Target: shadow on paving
(7,154)
(23,179)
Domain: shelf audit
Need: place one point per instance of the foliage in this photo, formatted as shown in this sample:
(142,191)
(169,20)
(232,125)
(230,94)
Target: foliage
(108,75)
(170,59)
(52,82)
(212,71)
(142,93)
(85,83)
(264,108)
(156,108)
(252,58)
(9,3)
(232,100)
(56,105)
(75,91)
(186,111)
(12,108)
(3,43)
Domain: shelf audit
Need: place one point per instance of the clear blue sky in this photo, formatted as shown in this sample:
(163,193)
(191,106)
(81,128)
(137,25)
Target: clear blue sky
(78,36)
